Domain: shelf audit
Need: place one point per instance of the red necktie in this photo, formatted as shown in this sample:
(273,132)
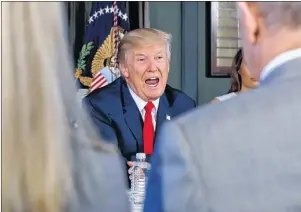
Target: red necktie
(148,129)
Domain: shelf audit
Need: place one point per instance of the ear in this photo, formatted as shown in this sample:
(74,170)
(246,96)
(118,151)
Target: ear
(124,70)
(248,21)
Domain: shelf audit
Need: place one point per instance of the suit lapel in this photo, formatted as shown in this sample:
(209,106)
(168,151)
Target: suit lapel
(164,111)
(132,115)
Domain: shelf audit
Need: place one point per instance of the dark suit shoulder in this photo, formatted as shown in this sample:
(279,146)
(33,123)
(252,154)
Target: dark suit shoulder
(106,97)
(178,97)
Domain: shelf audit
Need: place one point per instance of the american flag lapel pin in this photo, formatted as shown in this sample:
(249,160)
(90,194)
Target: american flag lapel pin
(167,117)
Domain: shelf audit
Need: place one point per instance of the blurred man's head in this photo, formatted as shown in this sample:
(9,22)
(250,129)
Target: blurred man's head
(268,29)
(144,56)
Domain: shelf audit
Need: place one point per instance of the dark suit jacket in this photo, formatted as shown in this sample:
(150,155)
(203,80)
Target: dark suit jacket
(118,119)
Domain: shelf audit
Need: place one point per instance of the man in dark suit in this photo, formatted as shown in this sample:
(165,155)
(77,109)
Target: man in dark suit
(129,111)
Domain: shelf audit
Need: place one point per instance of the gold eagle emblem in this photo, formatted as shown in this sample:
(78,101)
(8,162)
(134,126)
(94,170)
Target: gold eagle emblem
(102,58)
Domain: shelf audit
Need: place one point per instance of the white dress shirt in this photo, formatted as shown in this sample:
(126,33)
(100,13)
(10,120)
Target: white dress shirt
(279,60)
(141,104)
(226,96)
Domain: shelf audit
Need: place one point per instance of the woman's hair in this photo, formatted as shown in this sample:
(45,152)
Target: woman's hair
(234,74)
(43,123)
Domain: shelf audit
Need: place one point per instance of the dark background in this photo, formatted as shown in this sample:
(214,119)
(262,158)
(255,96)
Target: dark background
(77,15)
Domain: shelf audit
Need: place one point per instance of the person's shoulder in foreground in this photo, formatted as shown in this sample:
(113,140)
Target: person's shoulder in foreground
(201,157)
(242,154)
(174,182)
(104,179)
(50,162)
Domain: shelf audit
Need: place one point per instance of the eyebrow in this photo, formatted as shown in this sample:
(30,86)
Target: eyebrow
(139,55)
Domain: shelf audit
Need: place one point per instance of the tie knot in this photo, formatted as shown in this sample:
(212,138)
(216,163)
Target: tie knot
(148,107)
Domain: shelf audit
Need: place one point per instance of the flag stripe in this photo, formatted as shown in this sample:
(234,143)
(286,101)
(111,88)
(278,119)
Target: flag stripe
(97,75)
(101,80)
(98,82)
(99,85)
(97,79)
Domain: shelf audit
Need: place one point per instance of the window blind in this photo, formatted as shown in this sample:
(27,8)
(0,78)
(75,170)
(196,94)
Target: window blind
(224,35)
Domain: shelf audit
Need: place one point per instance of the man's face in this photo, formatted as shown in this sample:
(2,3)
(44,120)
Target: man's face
(249,31)
(146,71)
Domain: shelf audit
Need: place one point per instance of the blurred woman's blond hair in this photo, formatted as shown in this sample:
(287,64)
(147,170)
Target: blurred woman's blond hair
(43,126)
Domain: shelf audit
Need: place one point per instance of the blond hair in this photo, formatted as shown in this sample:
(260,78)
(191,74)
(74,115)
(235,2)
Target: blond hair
(39,110)
(141,38)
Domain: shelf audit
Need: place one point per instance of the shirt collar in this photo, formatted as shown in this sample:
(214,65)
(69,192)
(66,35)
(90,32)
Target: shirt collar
(279,60)
(141,103)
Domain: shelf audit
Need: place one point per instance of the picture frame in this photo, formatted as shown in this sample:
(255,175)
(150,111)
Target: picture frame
(222,36)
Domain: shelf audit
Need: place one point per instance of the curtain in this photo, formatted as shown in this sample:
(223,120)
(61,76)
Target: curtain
(77,14)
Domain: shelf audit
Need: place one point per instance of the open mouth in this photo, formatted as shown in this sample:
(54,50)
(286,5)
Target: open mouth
(152,81)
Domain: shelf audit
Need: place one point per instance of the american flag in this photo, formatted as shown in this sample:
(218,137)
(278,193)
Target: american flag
(104,16)
(98,81)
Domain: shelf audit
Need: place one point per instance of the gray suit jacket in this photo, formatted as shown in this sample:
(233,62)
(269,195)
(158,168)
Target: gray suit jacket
(100,181)
(240,155)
